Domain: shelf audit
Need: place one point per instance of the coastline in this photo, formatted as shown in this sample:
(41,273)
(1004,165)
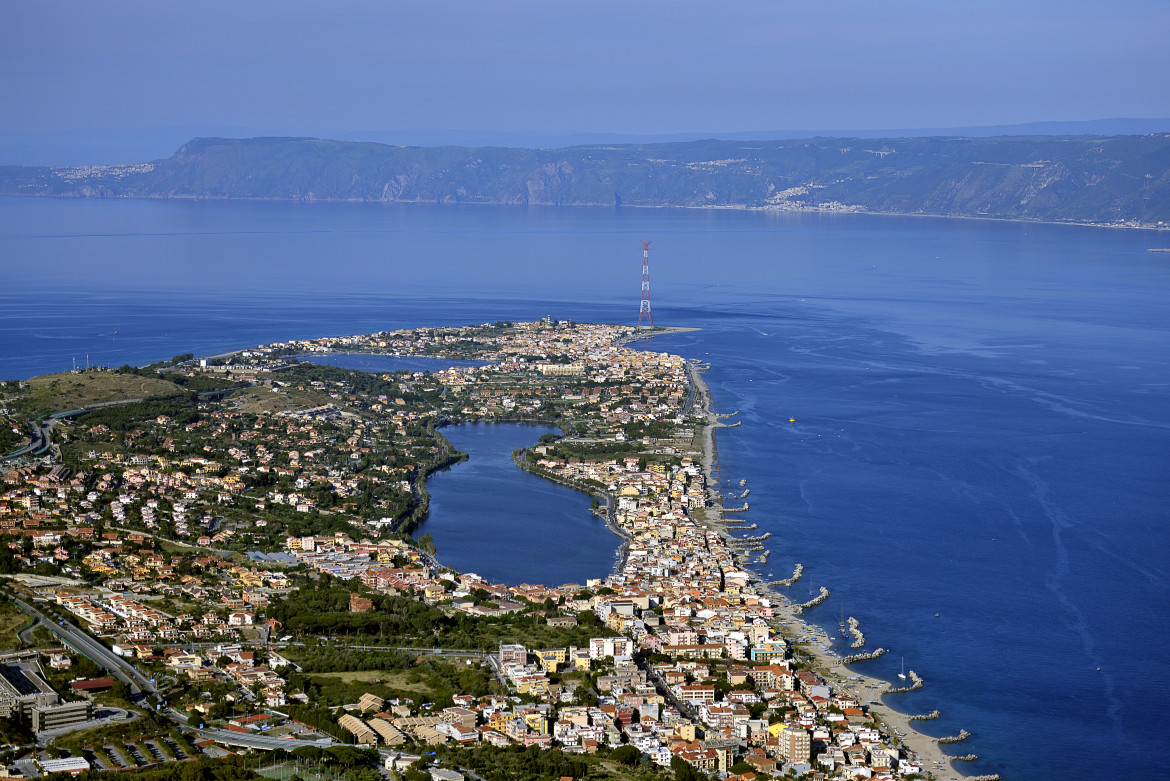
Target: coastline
(867,689)
(665,206)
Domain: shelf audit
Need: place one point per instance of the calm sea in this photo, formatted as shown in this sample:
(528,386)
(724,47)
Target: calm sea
(978,463)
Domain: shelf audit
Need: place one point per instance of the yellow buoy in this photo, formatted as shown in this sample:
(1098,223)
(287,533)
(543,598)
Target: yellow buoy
(792,420)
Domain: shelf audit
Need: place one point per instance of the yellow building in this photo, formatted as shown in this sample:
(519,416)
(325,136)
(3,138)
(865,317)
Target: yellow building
(551,659)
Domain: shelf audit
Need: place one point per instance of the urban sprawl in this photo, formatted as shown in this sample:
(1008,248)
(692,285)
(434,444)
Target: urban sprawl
(235,535)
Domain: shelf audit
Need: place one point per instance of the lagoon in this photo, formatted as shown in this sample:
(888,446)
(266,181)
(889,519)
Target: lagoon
(982,409)
(492,518)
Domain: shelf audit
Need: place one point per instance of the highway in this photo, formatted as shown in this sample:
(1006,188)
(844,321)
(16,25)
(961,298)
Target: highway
(38,440)
(92,649)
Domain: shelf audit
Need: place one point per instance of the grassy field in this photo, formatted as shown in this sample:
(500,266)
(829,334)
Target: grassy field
(395,680)
(11,621)
(55,392)
(261,399)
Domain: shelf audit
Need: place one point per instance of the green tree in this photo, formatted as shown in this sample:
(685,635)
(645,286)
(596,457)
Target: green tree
(426,544)
(683,771)
(627,755)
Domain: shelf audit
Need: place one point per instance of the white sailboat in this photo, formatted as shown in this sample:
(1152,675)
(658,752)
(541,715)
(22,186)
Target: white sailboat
(902,674)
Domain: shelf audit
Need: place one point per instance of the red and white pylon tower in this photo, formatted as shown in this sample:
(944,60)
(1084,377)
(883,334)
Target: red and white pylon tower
(644,309)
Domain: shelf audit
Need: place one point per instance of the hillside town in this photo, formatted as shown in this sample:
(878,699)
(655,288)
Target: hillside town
(244,553)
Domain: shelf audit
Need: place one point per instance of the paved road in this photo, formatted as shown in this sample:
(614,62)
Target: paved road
(38,440)
(260,741)
(26,635)
(81,642)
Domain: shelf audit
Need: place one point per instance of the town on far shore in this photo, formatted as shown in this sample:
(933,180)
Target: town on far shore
(213,561)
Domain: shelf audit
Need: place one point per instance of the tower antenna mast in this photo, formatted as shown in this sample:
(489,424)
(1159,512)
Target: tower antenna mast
(644,308)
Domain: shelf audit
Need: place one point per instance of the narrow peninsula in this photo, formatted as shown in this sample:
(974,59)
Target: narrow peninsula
(222,547)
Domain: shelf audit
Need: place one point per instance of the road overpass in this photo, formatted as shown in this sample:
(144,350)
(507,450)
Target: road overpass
(260,741)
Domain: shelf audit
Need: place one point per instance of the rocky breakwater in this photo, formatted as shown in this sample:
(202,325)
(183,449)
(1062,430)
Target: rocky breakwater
(858,635)
(797,572)
(863,657)
(818,599)
(963,735)
(916,683)
(931,716)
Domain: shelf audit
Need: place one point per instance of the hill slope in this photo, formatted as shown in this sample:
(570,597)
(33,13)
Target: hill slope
(1118,179)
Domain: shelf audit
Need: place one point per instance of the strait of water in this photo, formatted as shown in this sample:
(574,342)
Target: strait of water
(981,421)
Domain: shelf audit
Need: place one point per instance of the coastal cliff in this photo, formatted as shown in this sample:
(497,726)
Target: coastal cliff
(1089,179)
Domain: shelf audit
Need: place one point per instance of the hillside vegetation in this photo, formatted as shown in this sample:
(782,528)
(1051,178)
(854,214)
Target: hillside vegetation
(56,392)
(1118,179)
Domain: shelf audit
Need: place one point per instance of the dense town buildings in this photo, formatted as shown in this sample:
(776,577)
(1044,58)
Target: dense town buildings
(321,470)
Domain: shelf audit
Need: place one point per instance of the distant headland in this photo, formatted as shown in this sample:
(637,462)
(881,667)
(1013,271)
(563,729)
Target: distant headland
(1087,179)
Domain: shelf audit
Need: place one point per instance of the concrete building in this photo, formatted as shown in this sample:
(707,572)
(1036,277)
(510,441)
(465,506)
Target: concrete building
(62,715)
(513,654)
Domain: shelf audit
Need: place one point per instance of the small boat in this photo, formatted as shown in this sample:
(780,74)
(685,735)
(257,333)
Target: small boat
(902,674)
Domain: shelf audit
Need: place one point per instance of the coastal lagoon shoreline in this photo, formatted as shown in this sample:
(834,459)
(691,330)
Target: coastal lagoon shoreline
(868,690)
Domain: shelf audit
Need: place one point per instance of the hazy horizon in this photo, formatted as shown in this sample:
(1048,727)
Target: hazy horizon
(105,146)
(528,69)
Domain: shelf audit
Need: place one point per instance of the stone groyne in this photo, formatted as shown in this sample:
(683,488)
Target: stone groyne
(818,599)
(916,683)
(934,714)
(797,572)
(865,657)
(858,635)
(963,735)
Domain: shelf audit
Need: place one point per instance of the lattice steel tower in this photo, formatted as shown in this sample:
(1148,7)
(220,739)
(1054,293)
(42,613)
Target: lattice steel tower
(644,309)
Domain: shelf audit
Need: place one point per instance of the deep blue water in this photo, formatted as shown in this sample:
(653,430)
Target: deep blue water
(982,428)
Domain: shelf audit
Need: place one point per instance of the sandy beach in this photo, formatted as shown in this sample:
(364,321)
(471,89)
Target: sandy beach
(868,690)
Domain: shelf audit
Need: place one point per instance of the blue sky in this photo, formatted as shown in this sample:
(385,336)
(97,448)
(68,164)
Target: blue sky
(641,67)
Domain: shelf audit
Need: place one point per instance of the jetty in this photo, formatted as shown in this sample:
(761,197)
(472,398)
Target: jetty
(818,599)
(863,657)
(916,683)
(743,509)
(858,635)
(797,573)
(931,716)
(963,735)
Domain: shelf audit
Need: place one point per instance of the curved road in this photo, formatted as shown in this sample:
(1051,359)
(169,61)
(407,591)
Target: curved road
(81,642)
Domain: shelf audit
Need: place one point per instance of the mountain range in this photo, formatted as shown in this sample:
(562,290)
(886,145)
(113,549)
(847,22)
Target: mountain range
(1089,179)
